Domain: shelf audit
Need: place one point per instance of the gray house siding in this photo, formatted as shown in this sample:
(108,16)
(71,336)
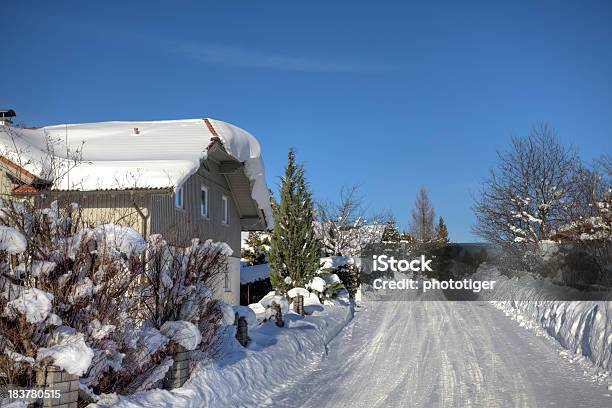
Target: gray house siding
(180,225)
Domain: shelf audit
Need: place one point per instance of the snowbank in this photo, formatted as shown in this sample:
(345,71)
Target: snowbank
(248,313)
(272,297)
(317,284)
(298,292)
(248,376)
(583,327)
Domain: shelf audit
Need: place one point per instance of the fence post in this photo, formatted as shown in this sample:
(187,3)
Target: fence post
(179,372)
(298,304)
(242,330)
(278,314)
(54,378)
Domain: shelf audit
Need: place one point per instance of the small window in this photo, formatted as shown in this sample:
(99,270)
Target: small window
(179,198)
(225,210)
(204,202)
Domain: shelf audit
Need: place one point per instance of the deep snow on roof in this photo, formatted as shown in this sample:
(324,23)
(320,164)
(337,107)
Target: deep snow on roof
(252,273)
(115,156)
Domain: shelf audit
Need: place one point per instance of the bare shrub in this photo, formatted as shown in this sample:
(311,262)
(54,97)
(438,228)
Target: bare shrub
(342,226)
(113,287)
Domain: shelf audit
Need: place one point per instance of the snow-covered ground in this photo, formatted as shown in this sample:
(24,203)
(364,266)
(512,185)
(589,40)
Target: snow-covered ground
(584,328)
(430,353)
(273,361)
(393,354)
(441,354)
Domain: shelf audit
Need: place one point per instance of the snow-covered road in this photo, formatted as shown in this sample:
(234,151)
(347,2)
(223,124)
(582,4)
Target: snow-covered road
(440,354)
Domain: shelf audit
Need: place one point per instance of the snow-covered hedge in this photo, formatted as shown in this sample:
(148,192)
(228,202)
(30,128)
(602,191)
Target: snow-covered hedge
(247,376)
(583,327)
(99,301)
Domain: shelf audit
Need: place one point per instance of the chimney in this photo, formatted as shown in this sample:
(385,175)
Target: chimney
(5,117)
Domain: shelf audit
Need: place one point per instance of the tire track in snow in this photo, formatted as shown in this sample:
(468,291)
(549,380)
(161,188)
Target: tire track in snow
(440,354)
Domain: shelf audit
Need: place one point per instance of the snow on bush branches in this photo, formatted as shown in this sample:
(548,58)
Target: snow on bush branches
(99,301)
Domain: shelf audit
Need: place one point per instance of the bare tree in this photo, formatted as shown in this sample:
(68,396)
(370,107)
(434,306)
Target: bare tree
(586,237)
(342,226)
(588,188)
(526,197)
(604,163)
(53,161)
(422,217)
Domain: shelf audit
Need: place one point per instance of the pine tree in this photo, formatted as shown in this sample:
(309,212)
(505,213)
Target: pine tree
(442,232)
(391,233)
(294,252)
(257,248)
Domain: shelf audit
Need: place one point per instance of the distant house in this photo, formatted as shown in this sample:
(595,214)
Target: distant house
(181,178)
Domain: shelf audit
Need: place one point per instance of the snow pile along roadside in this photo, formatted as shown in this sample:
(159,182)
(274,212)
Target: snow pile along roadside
(583,327)
(249,376)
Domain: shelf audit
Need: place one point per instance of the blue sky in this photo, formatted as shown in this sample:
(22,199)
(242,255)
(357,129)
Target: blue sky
(387,95)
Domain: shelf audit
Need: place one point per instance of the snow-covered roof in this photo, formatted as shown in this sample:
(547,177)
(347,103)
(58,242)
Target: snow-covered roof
(253,273)
(122,155)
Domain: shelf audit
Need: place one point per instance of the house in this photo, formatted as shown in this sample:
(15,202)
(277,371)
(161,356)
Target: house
(183,179)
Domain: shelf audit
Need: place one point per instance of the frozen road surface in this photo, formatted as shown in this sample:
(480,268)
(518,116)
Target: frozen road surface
(440,354)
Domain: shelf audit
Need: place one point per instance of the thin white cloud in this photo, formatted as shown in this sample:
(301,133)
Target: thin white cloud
(240,58)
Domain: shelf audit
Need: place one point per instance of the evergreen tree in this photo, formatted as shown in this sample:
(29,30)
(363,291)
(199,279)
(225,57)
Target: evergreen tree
(257,248)
(294,252)
(391,233)
(442,232)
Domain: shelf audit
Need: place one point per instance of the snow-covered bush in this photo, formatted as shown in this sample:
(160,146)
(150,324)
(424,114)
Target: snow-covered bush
(40,291)
(179,285)
(328,286)
(346,269)
(98,300)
